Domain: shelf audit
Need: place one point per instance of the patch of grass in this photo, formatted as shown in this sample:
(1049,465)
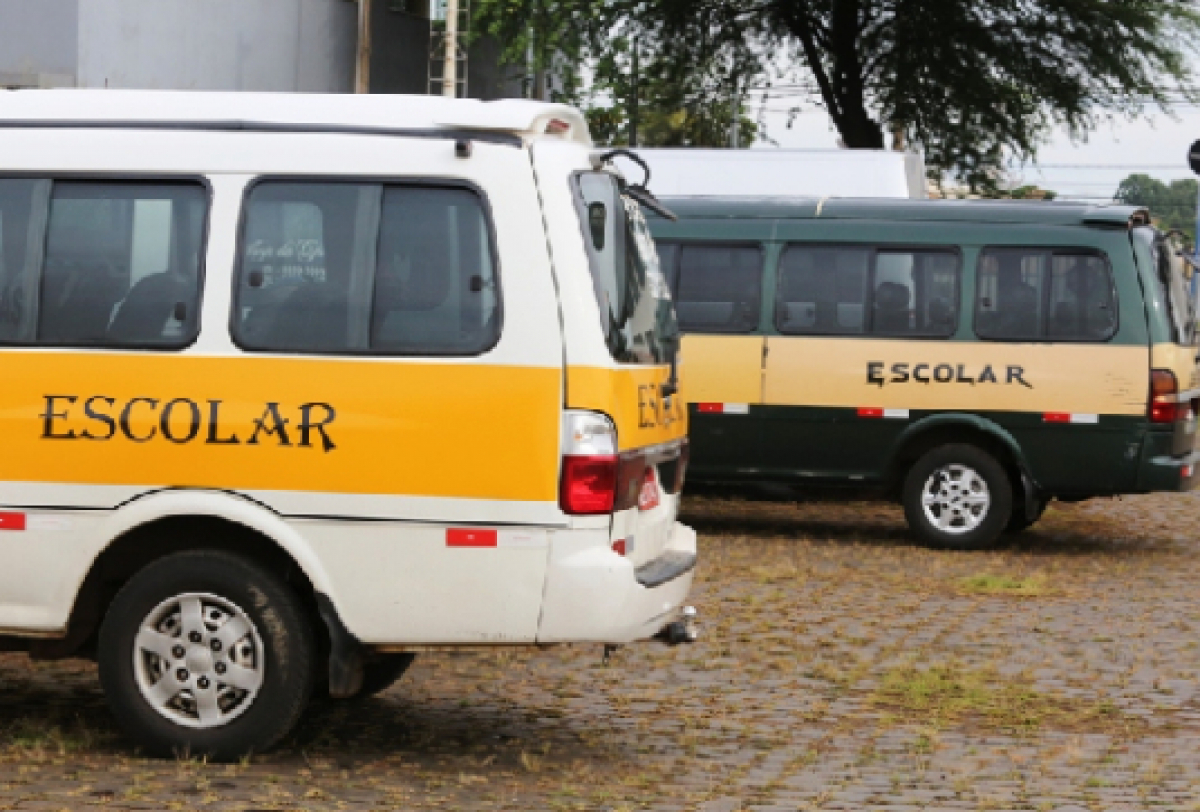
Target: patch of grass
(988,584)
(946,695)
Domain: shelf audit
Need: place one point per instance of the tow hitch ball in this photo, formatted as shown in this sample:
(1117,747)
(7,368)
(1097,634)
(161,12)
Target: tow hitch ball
(684,630)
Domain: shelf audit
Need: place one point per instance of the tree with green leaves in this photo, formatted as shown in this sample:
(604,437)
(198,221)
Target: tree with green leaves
(1172,206)
(971,83)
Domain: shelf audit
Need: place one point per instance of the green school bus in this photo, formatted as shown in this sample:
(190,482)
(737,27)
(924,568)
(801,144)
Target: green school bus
(970,359)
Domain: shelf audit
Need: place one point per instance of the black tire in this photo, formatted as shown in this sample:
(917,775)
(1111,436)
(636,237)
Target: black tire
(1020,520)
(284,667)
(957,458)
(382,673)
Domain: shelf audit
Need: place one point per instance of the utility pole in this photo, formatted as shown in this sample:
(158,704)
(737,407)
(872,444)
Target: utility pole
(633,101)
(450,58)
(734,109)
(362,72)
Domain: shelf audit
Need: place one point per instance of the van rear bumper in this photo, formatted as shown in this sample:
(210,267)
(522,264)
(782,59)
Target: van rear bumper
(595,595)
(1163,472)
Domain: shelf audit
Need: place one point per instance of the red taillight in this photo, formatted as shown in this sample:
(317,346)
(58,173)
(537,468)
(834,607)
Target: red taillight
(1163,389)
(588,486)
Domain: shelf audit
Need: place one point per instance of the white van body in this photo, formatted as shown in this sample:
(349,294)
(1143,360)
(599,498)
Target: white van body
(435,519)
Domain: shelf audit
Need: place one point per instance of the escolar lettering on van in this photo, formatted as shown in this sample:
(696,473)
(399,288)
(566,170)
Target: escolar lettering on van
(653,411)
(181,421)
(1004,375)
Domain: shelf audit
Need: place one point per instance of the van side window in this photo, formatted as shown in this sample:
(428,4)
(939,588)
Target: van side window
(100,264)
(718,288)
(1040,294)
(822,289)
(915,293)
(859,290)
(366,268)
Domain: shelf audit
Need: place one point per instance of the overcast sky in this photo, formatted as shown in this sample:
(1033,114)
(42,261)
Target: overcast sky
(1156,145)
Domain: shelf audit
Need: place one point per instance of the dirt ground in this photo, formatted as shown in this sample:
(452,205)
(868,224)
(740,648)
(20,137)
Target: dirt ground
(841,667)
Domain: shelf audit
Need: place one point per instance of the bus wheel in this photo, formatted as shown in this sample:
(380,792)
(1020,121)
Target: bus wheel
(1020,520)
(957,497)
(381,674)
(204,653)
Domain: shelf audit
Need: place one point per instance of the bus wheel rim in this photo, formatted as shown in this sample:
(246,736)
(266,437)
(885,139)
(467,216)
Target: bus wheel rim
(956,499)
(198,660)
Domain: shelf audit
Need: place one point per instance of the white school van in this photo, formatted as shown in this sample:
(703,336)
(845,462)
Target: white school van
(296,387)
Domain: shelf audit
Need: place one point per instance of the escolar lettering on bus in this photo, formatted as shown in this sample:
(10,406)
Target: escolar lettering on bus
(1004,375)
(98,417)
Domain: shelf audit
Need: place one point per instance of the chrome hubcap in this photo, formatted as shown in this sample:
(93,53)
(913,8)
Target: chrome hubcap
(955,499)
(198,660)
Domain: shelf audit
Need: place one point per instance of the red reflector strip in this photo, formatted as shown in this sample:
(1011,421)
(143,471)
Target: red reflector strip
(1066,417)
(12,521)
(470,537)
(723,408)
(619,546)
(890,414)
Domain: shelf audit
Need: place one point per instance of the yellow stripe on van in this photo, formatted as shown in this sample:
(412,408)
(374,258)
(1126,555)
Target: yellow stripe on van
(1179,359)
(722,368)
(337,425)
(631,397)
(951,375)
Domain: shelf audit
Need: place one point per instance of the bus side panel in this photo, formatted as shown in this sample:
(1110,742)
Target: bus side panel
(722,382)
(859,395)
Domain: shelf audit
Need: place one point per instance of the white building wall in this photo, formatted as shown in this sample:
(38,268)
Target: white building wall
(282,45)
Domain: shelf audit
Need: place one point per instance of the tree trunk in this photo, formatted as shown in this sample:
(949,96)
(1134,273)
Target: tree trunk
(841,77)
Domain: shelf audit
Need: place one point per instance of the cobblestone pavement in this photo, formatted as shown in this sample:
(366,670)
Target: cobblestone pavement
(841,667)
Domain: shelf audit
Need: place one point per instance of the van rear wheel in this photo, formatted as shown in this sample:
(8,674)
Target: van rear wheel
(957,497)
(204,653)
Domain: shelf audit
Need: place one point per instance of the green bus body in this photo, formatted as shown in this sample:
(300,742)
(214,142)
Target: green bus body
(816,439)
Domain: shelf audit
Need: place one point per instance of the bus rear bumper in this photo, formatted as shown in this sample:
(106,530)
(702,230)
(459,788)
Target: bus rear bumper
(595,595)
(1167,473)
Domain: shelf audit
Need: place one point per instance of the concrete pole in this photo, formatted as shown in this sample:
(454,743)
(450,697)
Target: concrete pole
(450,63)
(362,73)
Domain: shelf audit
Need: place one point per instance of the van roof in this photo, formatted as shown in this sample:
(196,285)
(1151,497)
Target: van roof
(977,211)
(368,113)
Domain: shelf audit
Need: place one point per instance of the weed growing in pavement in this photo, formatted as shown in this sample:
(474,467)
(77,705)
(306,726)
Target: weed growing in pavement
(986,584)
(945,695)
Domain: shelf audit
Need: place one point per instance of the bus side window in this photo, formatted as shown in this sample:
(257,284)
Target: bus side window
(719,288)
(915,293)
(1036,294)
(822,290)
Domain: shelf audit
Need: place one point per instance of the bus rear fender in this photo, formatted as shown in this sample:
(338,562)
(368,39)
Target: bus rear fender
(959,427)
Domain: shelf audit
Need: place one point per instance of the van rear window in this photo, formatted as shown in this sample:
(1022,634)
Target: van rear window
(366,268)
(636,311)
(101,264)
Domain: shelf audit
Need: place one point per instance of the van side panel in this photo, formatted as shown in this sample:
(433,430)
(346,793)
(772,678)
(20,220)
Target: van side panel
(835,407)
(375,465)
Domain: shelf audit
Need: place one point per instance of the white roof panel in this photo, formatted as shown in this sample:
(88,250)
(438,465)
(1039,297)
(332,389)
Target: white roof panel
(516,116)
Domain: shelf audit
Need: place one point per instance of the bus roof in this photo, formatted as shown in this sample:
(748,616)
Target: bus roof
(977,211)
(153,109)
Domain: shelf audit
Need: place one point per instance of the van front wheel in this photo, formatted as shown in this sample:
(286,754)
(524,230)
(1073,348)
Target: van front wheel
(957,497)
(204,653)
